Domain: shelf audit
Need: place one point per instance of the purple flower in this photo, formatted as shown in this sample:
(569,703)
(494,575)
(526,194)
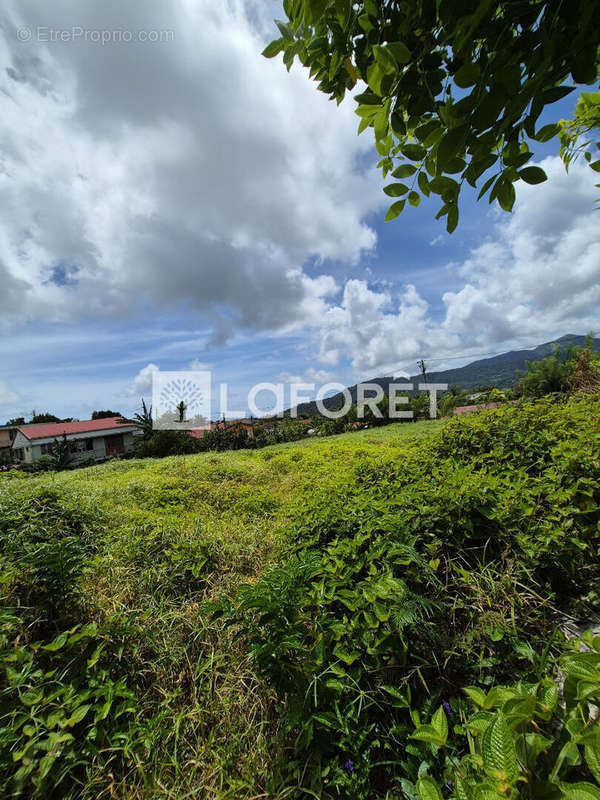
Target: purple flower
(349,765)
(447,708)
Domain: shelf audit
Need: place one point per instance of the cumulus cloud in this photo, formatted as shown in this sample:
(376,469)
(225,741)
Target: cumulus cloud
(536,276)
(8,398)
(142,383)
(185,173)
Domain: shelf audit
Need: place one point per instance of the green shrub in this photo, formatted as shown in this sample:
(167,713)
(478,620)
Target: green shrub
(63,715)
(416,579)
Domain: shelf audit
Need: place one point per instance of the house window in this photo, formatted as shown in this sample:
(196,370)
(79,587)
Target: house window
(19,454)
(46,449)
(82,445)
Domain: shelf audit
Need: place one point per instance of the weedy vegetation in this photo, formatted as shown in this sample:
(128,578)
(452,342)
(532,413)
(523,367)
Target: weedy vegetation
(380,614)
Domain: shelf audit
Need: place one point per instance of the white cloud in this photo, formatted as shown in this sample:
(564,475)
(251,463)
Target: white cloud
(188,173)
(536,277)
(199,365)
(9,399)
(142,383)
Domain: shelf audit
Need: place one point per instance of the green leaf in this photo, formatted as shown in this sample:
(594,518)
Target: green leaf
(32,697)
(580,791)
(533,175)
(380,122)
(467,75)
(506,194)
(348,657)
(547,132)
(395,210)
(400,52)
(427,733)
(77,716)
(415,152)
(395,189)
(404,171)
(399,700)
(452,220)
(423,182)
(592,759)
(414,198)
(450,146)
(385,59)
(440,723)
(498,751)
(59,642)
(427,789)
(273,49)
(285,30)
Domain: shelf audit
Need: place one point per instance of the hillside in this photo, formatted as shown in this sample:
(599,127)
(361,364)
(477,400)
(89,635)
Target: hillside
(500,371)
(259,623)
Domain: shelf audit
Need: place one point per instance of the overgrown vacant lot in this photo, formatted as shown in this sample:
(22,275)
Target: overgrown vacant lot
(260,623)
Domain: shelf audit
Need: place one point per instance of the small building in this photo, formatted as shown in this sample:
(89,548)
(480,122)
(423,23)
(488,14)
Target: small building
(96,439)
(7,436)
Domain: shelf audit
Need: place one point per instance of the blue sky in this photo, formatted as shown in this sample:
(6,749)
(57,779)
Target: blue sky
(188,204)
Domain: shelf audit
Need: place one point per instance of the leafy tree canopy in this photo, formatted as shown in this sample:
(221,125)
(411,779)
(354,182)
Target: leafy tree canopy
(105,414)
(454,88)
(45,417)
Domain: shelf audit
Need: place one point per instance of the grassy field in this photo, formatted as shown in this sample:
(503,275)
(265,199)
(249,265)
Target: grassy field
(148,522)
(111,577)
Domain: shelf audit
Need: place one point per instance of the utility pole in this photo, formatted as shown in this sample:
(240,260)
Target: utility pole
(421,365)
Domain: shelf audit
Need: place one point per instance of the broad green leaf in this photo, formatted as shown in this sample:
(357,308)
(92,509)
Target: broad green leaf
(452,221)
(427,733)
(415,152)
(273,49)
(427,789)
(414,198)
(547,132)
(533,175)
(395,189)
(400,52)
(404,171)
(399,700)
(580,791)
(498,751)
(423,182)
(395,210)
(548,696)
(59,642)
(506,194)
(77,716)
(347,656)
(32,697)
(381,612)
(467,75)
(592,759)
(440,723)
(450,146)
(385,59)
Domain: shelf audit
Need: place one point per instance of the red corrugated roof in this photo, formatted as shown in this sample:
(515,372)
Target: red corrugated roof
(47,430)
(480,407)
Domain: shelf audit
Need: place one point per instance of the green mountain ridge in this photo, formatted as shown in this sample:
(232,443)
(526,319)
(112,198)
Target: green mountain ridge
(500,371)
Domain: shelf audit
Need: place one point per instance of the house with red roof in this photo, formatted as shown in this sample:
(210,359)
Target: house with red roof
(96,439)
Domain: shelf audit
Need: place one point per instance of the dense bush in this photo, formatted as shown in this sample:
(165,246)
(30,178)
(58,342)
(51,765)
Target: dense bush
(384,575)
(419,579)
